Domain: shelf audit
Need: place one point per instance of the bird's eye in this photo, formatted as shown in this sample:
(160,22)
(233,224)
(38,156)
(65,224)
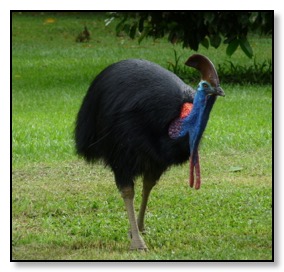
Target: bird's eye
(205,85)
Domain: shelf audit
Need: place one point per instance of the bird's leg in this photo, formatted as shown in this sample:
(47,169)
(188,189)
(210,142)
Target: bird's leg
(147,187)
(136,240)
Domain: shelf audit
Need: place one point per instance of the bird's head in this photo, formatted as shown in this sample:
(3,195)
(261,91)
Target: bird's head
(209,77)
(205,87)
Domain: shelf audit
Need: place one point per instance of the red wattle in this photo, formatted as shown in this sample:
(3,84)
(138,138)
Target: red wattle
(191,172)
(197,173)
(195,166)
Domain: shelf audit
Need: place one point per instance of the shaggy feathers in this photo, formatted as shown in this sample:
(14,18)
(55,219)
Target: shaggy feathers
(125,116)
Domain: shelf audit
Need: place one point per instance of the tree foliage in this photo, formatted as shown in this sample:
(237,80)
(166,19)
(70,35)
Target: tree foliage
(193,28)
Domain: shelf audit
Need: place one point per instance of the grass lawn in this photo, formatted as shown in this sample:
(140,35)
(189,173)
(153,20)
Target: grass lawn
(64,209)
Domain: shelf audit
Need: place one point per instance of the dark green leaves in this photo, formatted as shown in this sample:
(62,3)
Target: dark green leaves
(246,47)
(215,40)
(192,28)
(205,43)
(243,43)
(232,47)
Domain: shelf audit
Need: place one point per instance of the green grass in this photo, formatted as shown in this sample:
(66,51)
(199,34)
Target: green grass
(64,209)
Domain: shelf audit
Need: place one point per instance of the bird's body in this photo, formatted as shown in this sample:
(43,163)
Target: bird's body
(130,106)
(141,119)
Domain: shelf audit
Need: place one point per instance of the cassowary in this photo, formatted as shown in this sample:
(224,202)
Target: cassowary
(140,119)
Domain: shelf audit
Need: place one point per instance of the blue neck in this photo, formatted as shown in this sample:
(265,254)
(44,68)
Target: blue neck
(202,105)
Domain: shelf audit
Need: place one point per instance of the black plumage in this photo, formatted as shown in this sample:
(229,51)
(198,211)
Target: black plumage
(125,116)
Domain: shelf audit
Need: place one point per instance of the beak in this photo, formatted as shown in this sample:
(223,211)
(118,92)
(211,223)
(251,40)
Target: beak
(219,91)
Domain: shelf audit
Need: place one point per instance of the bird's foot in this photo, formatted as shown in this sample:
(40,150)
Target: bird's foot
(138,244)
